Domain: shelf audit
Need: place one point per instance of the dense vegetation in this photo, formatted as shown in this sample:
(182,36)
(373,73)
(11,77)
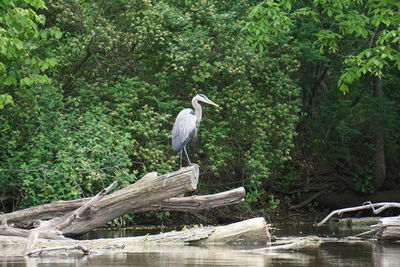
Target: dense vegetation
(89,91)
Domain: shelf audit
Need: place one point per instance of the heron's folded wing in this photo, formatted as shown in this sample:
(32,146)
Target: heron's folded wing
(184,128)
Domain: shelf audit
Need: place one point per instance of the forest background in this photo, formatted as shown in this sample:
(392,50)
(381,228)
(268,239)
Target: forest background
(308,92)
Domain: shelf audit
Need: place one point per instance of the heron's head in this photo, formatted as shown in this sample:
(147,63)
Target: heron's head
(205,99)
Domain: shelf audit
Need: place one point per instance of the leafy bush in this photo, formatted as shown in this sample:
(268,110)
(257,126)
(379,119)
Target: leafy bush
(126,68)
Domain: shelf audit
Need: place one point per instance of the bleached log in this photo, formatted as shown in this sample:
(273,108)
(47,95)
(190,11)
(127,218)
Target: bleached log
(29,217)
(10,231)
(147,178)
(122,201)
(198,203)
(248,231)
(388,229)
(81,210)
(191,203)
(292,244)
(253,230)
(367,205)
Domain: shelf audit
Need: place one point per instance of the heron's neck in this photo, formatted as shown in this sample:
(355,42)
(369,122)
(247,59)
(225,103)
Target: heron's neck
(197,108)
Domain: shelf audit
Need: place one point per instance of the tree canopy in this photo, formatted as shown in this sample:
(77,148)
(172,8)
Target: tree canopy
(308,93)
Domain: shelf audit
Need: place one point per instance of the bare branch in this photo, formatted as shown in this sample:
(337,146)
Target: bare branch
(77,247)
(86,206)
(368,205)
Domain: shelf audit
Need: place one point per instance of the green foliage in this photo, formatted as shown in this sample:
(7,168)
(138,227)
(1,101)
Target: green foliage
(363,183)
(98,104)
(22,61)
(268,23)
(376,22)
(273,202)
(341,44)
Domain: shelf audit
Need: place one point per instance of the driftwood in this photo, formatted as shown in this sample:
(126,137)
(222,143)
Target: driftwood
(32,216)
(254,231)
(197,203)
(291,244)
(54,222)
(121,202)
(103,208)
(367,205)
(388,229)
(10,231)
(74,247)
(80,211)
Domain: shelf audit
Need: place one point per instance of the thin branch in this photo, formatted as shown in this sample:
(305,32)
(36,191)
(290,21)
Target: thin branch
(368,205)
(86,206)
(372,231)
(77,247)
(389,205)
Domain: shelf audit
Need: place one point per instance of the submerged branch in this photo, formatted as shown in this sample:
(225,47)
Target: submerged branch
(74,247)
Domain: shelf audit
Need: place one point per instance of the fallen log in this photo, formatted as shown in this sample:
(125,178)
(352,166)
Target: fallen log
(291,244)
(367,205)
(81,210)
(197,203)
(254,231)
(109,207)
(121,202)
(10,231)
(32,216)
(387,230)
(152,192)
(29,217)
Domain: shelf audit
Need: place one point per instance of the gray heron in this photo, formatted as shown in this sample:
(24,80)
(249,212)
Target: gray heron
(186,125)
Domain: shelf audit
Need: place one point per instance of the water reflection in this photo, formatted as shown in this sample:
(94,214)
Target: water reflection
(387,255)
(328,254)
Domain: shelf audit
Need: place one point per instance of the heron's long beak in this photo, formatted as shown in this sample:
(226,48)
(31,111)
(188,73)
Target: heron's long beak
(211,103)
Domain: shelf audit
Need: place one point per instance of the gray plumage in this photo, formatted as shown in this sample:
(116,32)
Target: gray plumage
(186,125)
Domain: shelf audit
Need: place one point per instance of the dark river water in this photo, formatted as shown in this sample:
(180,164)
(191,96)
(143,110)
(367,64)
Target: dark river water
(329,253)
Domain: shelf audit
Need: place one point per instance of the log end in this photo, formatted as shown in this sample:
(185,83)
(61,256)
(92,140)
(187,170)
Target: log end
(196,174)
(249,231)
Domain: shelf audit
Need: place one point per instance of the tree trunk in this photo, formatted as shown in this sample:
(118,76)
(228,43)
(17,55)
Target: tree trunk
(249,231)
(120,203)
(29,217)
(379,167)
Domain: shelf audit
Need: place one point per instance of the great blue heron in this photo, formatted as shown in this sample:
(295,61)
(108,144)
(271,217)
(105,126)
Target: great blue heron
(186,124)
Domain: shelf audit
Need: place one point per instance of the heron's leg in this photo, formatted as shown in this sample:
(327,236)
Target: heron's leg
(184,148)
(180,161)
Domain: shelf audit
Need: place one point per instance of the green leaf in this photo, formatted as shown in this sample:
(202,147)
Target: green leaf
(26,81)
(195,78)
(5,99)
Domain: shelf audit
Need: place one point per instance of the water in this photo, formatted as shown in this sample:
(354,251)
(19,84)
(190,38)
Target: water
(331,253)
